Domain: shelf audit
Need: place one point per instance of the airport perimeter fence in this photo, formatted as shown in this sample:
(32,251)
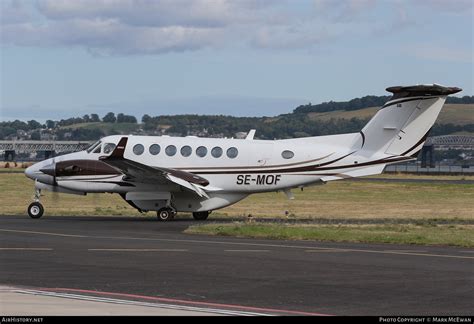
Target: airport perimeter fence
(436,169)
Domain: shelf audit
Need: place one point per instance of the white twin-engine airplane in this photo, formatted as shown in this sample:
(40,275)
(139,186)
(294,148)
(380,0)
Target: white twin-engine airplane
(199,175)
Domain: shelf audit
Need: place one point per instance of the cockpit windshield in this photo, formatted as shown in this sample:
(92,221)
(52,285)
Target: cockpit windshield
(93,146)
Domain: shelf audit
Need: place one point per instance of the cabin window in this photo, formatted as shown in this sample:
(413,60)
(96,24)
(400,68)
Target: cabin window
(287,154)
(138,149)
(108,148)
(216,152)
(232,152)
(154,149)
(170,150)
(186,150)
(201,151)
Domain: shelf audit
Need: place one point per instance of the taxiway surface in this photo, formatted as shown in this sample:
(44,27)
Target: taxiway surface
(145,260)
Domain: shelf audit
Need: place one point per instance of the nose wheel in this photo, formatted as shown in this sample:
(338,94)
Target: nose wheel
(35,209)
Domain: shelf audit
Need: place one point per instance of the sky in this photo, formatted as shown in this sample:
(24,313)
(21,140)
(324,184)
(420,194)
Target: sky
(67,58)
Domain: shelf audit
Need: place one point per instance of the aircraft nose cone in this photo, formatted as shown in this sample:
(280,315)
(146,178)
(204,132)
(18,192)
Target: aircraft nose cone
(49,169)
(29,172)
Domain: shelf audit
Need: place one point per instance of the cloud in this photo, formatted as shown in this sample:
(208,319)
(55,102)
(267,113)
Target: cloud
(14,12)
(158,13)
(125,27)
(109,36)
(153,27)
(288,37)
(344,10)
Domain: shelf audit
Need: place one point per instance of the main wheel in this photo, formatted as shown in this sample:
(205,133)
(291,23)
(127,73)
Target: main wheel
(35,210)
(201,215)
(165,214)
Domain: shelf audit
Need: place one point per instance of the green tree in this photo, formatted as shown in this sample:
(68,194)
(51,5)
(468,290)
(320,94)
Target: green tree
(33,124)
(95,118)
(146,119)
(120,118)
(109,118)
(50,124)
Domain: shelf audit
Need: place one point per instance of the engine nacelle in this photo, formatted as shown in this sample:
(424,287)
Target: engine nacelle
(41,186)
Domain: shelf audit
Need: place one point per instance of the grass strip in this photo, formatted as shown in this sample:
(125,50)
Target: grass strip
(453,235)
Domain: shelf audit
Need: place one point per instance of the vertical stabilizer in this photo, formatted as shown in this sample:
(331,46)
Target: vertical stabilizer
(401,126)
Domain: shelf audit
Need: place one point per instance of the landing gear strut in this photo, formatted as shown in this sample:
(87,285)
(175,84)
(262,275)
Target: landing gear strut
(200,216)
(166,214)
(35,209)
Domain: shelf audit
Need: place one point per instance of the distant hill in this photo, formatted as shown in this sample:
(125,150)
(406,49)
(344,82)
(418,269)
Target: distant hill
(328,118)
(364,102)
(457,114)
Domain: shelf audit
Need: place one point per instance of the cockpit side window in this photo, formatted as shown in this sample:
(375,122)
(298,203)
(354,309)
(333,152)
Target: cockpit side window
(93,146)
(97,150)
(108,148)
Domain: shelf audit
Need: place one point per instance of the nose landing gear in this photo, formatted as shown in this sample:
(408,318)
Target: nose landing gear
(35,209)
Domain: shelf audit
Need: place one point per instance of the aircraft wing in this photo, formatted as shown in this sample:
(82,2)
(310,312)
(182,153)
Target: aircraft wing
(139,172)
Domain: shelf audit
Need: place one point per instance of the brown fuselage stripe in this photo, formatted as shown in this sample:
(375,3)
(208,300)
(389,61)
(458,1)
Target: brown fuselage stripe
(309,168)
(418,143)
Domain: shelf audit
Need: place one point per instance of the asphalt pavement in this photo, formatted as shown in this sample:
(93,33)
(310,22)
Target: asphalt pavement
(144,260)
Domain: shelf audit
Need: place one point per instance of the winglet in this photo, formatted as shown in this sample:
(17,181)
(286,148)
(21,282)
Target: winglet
(119,150)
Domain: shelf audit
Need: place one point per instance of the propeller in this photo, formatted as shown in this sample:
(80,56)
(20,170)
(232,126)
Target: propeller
(51,170)
(55,196)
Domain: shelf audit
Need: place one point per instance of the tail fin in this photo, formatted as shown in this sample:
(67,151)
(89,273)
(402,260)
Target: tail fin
(402,125)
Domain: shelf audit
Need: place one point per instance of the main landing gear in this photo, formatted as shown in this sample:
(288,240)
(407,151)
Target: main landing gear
(165,214)
(200,216)
(35,209)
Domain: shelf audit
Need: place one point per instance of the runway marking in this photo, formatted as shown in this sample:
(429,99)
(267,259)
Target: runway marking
(410,251)
(137,250)
(137,303)
(42,233)
(249,244)
(26,249)
(247,250)
(326,251)
(180,301)
(287,246)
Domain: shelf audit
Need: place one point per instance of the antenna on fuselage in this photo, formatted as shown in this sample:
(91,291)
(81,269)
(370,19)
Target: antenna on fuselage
(250,135)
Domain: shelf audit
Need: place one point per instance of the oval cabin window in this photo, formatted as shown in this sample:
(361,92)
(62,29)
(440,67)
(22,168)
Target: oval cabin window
(216,152)
(201,151)
(138,149)
(287,154)
(186,150)
(154,149)
(170,150)
(232,152)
